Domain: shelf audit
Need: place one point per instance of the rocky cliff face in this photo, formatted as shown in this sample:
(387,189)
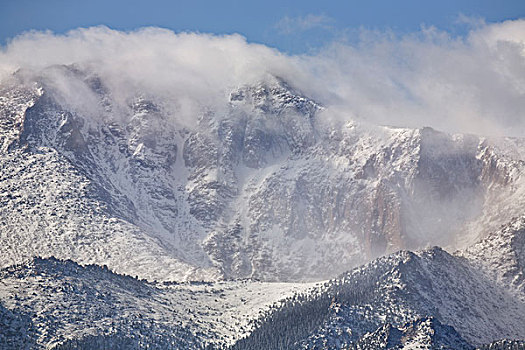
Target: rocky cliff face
(269,187)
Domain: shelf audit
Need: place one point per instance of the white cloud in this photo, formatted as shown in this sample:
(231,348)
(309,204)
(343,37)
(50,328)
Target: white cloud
(190,70)
(472,84)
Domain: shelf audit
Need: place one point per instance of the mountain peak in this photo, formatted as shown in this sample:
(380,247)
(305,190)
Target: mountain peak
(502,254)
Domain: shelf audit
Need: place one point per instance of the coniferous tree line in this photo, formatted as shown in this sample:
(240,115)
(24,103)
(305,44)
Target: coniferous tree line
(284,326)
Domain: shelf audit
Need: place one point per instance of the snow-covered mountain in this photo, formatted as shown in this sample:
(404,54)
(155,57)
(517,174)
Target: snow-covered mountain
(426,300)
(429,298)
(502,255)
(50,303)
(269,186)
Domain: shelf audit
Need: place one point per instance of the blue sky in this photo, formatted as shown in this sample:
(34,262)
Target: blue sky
(290,26)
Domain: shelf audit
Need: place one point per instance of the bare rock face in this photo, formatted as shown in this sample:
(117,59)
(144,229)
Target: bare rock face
(270,187)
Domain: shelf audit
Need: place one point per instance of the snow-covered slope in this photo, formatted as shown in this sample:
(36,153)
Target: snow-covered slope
(429,299)
(383,299)
(502,256)
(48,302)
(505,344)
(270,186)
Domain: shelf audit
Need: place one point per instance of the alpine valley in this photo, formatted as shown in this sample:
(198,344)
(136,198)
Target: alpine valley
(264,224)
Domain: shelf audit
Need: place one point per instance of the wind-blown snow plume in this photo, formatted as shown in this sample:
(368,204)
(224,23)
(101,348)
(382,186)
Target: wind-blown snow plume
(474,83)
(471,84)
(186,71)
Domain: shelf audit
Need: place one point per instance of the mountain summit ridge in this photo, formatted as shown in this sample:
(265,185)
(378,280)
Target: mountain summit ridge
(269,187)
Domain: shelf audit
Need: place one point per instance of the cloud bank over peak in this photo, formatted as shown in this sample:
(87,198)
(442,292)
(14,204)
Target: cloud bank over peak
(470,84)
(187,68)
